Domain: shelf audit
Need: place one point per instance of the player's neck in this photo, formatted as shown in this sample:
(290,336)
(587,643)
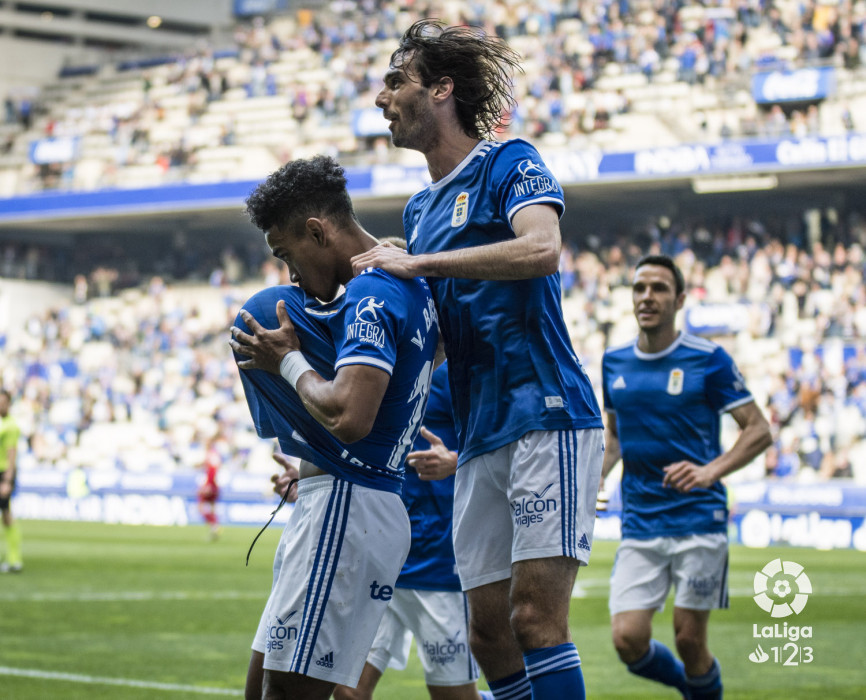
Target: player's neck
(448,153)
(656,339)
(356,240)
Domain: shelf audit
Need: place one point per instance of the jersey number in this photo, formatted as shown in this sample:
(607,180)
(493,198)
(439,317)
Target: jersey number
(418,402)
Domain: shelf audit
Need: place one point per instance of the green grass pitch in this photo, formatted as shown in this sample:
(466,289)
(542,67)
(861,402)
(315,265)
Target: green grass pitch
(104,611)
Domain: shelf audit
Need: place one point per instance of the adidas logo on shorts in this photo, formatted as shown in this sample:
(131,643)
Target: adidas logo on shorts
(584,543)
(327,660)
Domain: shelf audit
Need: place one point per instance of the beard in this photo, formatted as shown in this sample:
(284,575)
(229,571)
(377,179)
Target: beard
(416,129)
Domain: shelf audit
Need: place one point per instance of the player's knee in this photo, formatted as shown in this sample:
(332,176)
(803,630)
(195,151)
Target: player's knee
(342,692)
(482,639)
(630,644)
(533,630)
(690,646)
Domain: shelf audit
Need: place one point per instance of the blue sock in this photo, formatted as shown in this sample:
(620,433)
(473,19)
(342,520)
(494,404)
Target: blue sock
(486,695)
(659,664)
(555,673)
(513,687)
(708,686)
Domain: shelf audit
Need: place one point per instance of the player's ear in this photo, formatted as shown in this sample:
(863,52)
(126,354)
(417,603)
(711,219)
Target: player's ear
(315,229)
(681,299)
(442,88)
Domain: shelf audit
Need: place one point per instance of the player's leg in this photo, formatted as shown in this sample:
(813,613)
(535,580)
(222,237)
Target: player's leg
(468,691)
(482,548)
(632,633)
(639,584)
(279,685)
(703,673)
(366,685)
(553,485)
(12,532)
(700,567)
(255,677)
(540,598)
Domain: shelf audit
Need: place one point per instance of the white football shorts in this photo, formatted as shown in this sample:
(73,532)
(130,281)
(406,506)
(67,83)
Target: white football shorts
(334,573)
(439,621)
(644,571)
(531,499)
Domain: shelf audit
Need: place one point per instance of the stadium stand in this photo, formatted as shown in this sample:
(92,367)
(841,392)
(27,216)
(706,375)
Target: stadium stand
(606,75)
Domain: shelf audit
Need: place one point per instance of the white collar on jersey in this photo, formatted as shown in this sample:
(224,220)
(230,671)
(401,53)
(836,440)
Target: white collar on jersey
(661,353)
(481,145)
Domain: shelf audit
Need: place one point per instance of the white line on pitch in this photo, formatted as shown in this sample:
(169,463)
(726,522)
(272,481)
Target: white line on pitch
(124,682)
(129,596)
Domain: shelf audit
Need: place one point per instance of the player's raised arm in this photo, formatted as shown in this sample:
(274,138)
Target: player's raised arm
(534,252)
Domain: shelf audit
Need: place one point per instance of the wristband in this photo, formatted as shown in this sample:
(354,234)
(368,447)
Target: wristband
(292,366)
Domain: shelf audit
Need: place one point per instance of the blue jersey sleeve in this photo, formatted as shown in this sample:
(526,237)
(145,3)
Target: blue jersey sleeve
(373,317)
(725,386)
(258,412)
(523,179)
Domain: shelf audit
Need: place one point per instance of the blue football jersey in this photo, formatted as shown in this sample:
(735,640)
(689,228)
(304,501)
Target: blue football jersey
(512,366)
(380,321)
(431,565)
(668,408)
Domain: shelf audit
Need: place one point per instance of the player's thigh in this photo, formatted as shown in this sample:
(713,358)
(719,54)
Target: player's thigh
(278,685)
(440,623)
(641,575)
(552,492)
(546,583)
(700,571)
(482,530)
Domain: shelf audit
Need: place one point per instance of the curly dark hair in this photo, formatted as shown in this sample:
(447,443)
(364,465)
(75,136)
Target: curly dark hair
(300,189)
(481,66)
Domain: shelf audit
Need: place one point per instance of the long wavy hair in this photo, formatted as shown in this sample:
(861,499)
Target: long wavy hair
(481,66)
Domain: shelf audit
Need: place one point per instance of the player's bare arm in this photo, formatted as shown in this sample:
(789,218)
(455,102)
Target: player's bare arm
(754,438)
(433,464)
(265,347)
(612,452)
(534,252)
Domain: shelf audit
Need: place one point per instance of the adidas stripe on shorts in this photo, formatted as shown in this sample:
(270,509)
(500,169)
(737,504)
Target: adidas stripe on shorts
(644,571)
(439,622)
(334,572)
(533,498)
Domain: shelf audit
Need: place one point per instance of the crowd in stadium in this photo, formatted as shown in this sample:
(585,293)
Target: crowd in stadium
(150,367)
(321,73)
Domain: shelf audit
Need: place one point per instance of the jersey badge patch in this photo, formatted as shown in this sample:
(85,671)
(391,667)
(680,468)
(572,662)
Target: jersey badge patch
(675,382)
(461,210)
(367,310)
(619,383)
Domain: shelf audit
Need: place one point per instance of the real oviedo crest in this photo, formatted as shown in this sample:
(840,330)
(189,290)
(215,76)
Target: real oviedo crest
(461,210)
(675,382)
